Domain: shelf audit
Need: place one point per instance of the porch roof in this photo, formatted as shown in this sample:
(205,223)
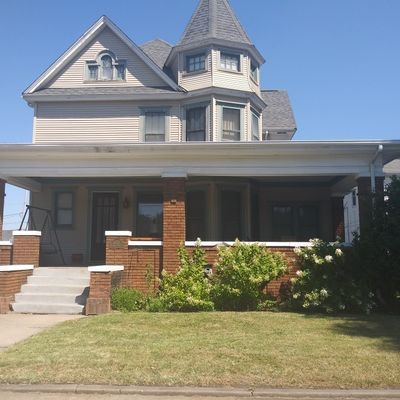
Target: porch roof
(22,164)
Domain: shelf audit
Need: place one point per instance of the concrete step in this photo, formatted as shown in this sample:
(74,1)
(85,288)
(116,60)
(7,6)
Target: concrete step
(61,289)
(58,279)
(51,298)
(60,271)
(43,308)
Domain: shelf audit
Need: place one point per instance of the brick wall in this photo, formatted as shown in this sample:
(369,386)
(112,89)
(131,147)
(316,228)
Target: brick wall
(5,254)
(174,230)
(26,249)
(10,285)
(99,300)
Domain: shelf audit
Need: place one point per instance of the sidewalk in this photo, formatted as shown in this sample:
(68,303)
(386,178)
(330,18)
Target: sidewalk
(78,392)
(16,327)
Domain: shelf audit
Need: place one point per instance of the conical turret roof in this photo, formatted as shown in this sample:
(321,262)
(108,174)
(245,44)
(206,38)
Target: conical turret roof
(214,19)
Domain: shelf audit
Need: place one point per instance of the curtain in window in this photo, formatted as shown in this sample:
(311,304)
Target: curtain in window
(231,124)
(195,124)
(155,126)
(107,67)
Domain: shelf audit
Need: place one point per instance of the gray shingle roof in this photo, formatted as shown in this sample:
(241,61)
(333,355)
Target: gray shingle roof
(158,50)
(214,19)
(278,115)
(104,90)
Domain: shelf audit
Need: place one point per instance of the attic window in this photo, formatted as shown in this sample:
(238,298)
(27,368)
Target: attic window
(196,63)
(105,68)
(254,72)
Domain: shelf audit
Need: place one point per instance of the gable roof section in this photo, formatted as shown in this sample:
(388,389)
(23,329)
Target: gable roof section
(89,35)
(214,19)
(278,115)
(158,50)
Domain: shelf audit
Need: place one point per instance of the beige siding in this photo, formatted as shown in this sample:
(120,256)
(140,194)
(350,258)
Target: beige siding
(231,80)
(195,80)
(95,122)
(137,72)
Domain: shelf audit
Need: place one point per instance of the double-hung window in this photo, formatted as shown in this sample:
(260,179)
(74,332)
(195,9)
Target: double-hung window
(230,62)
(64,209)
(196,63)
(196,124)
(231,123)
(149,215)
(255,128)
(254,71)
(154,126)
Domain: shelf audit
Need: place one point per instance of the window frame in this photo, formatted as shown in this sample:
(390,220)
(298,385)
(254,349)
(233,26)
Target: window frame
(194,55)
(148,192)
(222,107)
(142,123)
(231,54)
(189,107)
(295,218)
(98,63)
(254,75)
(256,115)
(56,195)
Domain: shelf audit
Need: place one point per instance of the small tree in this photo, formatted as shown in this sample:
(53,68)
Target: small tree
(375,259)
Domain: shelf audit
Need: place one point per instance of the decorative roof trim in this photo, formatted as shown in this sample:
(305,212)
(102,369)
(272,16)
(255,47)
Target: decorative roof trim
(97,27)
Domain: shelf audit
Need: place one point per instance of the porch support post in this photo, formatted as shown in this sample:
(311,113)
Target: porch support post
(365,197)
(174,224)
(2,197)
(337,217)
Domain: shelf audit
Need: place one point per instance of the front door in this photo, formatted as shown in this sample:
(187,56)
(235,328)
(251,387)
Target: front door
(104,218)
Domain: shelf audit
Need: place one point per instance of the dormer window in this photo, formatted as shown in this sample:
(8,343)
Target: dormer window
(230,62)
(196,63)
(105,68)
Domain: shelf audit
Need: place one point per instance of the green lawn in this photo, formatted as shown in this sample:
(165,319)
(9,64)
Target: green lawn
(240,349)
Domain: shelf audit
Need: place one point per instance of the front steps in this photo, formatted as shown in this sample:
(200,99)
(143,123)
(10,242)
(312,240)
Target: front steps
(57,290)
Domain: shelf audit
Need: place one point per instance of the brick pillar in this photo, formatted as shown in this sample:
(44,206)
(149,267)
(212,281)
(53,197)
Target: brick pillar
(2,196)
(101,284)
(26,247)
(337,217)
(117,251)
(365,197)
(5,253)
(174,225)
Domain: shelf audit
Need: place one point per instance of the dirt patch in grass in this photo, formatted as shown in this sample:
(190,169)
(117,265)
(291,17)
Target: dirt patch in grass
(238,349)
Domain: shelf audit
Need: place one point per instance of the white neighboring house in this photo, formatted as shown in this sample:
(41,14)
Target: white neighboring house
(350,202)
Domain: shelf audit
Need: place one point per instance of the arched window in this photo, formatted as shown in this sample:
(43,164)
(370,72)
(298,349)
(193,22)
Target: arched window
(106,68)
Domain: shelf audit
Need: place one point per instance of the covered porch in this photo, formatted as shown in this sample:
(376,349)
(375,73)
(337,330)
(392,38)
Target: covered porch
(276,192)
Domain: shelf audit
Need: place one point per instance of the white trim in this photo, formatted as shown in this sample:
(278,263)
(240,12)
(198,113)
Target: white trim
(84,40)
(5,243)
(265,244)
(118,233)
(27,233)
(106,268)
(138,243)
(10,268)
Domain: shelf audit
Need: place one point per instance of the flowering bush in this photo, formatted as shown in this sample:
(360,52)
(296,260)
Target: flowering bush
(188,289)
(325,283)
(242,273)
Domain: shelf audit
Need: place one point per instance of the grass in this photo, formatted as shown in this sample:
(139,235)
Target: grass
(238,349)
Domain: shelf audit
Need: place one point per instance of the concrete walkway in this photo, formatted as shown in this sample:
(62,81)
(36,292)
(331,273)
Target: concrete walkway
(16,327)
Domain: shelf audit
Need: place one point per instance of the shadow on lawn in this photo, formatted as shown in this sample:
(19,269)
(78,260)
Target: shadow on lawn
(386,328)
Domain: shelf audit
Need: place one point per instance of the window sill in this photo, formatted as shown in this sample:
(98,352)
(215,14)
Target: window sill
(230,71)
(104,81)
(186,74)
(254,81)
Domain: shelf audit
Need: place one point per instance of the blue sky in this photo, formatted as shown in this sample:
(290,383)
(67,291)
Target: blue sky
(339,59)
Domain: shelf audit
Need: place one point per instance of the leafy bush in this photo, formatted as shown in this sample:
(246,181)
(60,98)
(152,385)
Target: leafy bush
(325,283)
(242,273)
(127,300)
(188,289)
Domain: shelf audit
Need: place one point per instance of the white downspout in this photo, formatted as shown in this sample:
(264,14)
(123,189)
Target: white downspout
(372,167)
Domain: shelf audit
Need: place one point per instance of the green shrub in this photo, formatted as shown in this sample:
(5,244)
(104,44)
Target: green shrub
(242,273)
(127,300)
(325,282)
(188,289)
